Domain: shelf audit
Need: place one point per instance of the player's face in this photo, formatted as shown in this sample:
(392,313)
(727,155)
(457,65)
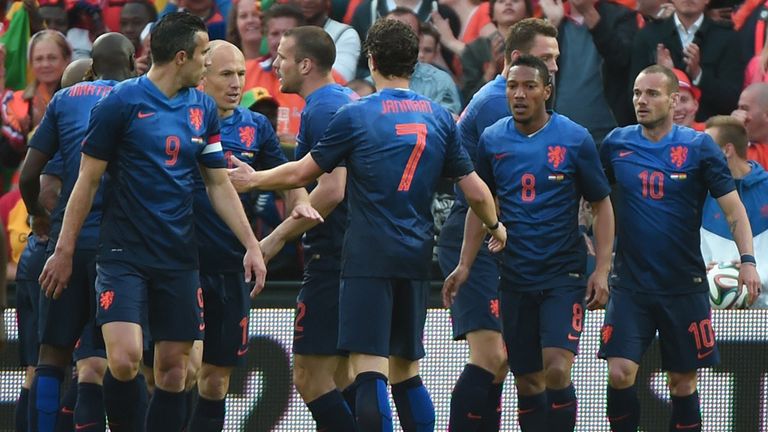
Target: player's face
(276,27)
(685,110)
(427,48)
(48,62)
(287,67)
(756,120)
(526,94)
(547,49)
(248,21)
(225,77)
(508,12)
(653,102)
(194,68)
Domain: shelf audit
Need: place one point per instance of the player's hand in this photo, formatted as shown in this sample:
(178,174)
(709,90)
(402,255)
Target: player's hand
(597,290)
(41,226)
(56,273)
(692,58)
(452,284)
(498,238)
(664,57)
(142,64)
(241,175)
(748,276)
(271,245)
(306,211)
(711,265)
(255,270)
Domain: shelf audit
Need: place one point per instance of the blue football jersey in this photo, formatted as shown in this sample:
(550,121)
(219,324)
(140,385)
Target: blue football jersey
(661,189)
(326,238)
(487,106)
(153,145)
(539,180)
(249,137)
(62,131)
(396,146)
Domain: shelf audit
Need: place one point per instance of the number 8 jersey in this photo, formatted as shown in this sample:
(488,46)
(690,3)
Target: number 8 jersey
(661,189)
(153,145)
(397,145)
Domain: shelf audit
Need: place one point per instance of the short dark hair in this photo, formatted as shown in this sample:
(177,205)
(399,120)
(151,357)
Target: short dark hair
(286,10)
(393,46)
(730,130)
(528,9)
(173,33)
(523,33)
(314,43)
(149,7)
(534,63)
(673,84)
(430,30)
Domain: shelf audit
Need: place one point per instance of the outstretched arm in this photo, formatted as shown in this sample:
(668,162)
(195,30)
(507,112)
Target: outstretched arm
(286,176)
(736,215)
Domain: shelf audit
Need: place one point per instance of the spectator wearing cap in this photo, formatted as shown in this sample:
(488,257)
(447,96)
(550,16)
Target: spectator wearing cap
(207,10)
(345,38)
(688,103)
(259,100)
(753,113)
(134,17)
(705,49)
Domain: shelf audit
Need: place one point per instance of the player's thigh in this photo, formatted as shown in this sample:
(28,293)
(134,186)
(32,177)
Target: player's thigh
(365,316)
(686,335)
(123,342)
(121,293)
(409,314)
(562,312)
(520,320)
(629,326)
(316,321)
(175,305)
(486,350)
(27,296)
(226,305)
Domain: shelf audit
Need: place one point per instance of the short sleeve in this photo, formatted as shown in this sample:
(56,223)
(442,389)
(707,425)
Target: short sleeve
(106,123)
(46,136)
(592,181)
(605,159)
(211,154)
(714,168)
(55,166)
(483,164)
(270,153)
(457,162)
(338,141)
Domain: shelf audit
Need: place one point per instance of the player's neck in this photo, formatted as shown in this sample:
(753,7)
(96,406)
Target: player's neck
(381,82)
(656,133)
(165,79)
(224,113)
(311,84)
(739,167)
(534,125)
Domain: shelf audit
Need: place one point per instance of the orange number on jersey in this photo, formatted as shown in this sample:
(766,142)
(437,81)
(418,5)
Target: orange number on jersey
(529,187)
(653,184)
(420,130)
(172,147)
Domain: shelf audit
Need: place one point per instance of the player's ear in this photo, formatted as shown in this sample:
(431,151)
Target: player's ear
(674,99)
(180,58)
(547,91)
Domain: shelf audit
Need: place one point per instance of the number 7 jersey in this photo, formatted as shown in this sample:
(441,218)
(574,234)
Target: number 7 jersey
(397,145)
(661,189)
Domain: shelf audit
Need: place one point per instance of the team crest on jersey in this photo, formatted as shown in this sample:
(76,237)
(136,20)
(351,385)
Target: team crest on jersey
(678,155)
(555,155)
(196,118)
(247,134)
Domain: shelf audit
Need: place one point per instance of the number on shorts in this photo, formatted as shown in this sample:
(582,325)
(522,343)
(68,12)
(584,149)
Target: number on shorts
(578,318)
(244,327)
(703,333)
(300,312)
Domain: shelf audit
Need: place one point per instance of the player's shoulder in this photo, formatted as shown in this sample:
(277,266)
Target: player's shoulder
(247,116)
(622,135)
(130,88)
(499,127)
(199,97)
(569,128)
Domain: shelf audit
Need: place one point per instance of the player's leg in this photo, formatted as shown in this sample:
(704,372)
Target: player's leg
(687,342)
(475,317)
(520,322)
(409,313)
(27,297)
(365,317)
(192,394)
(628,330)
(316,358)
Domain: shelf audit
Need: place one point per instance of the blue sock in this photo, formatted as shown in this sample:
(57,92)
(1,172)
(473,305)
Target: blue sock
(562,409)
(623,409)
(166,411)
(414,406)
(469,398)
(686,413)
(89,411)
(22,411)
(332,413)
(532,412)
(125,403)
(44,398)
(372,410)
(208,415)
(492,414)
(65,422)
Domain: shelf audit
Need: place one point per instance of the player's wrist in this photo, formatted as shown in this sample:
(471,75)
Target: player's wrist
(493,227)
(748,259)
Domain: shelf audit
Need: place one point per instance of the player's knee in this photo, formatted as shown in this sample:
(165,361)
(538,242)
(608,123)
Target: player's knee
(558,375)
(681,384)
(530,384)
(620,376)
(91,370)
(54,356)
(124,364)
(311,384)
(213,384)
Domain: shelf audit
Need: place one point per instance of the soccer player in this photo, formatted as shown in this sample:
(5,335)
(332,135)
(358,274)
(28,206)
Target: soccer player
(664,173)
(303,63)
(67,319)
(396,145)
(476,398)
(151,133)
(249,137)
(540,165)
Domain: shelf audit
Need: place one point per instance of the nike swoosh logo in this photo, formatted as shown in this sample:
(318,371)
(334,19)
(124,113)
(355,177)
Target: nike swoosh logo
(143,115)
(704,355)
(572,337)
(525,411)
(298,337)
(500,156)
(474,416)
(65,410)
(625,153)
(564,405)
(242,351)
(87,425)
(620,418)
(690,426)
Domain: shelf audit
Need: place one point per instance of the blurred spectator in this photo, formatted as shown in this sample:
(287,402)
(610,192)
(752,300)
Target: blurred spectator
(749,21)
(134,16)
(474,15)
(207,10)
(426,79)
(653,10)
(362,87)
(344,37)
(49,54)
(687,103)
(483,59)
(717,245)
(756,68)
(13,215)
(706,50)
(54,16)
(429,44)
(592,85)
(86,24)
(244,29)
(260,101)
(144,61)
(753,114)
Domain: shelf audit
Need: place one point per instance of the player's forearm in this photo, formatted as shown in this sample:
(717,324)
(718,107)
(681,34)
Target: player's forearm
(741,230)
(286,176)
(222,196)
(474,234)
(604,229)
(295,197)
(479,198)
(324,198)
(29,186)
(78,207)
(50,190)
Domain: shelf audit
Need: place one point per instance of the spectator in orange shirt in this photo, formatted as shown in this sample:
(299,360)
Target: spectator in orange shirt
(753,112)
(688,103)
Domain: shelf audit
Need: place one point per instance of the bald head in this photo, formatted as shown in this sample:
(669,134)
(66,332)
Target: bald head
(224,75)
(112,55)
(76,72)
(758,92)
(220,48)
